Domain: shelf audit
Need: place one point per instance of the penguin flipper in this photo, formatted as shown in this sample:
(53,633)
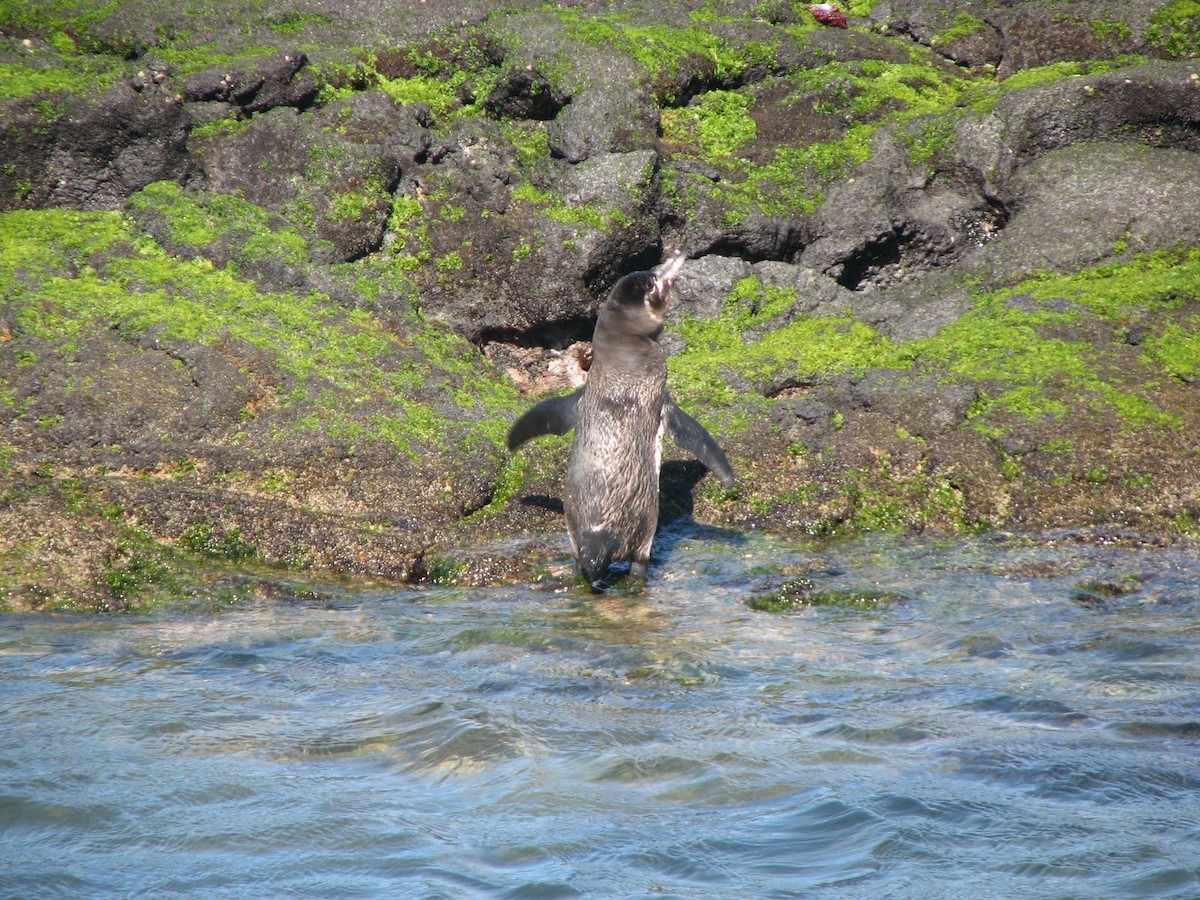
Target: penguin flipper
(695,439)
(555,415)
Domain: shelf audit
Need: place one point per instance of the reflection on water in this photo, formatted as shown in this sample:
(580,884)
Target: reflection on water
(1023,720)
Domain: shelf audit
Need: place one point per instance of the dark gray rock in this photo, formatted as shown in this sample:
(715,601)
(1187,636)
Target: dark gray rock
(254,88)
(804,420)
(703,285)
(522,264)
(526,93)
(1088,203)
(892,221)
(1021,34)
(920,404)
(103,150)
(1157,104)
(331,174)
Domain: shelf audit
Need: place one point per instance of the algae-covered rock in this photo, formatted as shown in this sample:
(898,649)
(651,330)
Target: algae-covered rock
(277,280)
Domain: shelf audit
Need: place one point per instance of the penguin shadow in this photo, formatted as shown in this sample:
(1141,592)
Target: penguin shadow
(542,501)
(678,479)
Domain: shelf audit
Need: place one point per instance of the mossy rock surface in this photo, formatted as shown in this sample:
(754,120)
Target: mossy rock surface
(277,280)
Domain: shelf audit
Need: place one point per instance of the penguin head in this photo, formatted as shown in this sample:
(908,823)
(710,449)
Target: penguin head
(638,301)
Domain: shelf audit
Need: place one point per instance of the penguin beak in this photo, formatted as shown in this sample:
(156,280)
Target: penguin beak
(664,276)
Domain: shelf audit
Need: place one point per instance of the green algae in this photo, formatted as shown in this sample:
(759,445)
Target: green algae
(862,94)
(1175,28)
(450,73)
(69,271)
(587,215)
(135,572)
(715,126)
(436,93)
(69,75)
(1017,348)
(208,540)
(802,593)
(1016,351)
(200,219)
(1177,348)
(964,25)
(809,349)
(662,49)
(1158,281)
(982,96)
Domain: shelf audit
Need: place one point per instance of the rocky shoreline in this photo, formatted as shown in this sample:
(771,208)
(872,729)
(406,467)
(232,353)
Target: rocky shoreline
(277,282)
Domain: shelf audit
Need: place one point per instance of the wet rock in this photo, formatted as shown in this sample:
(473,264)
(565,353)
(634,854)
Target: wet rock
(535,171)
(609,110)
(516,261)
(1015,36)
(803,420)
(892,222)
(703,284)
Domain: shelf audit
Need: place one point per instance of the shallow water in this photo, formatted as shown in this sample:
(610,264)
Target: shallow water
(1020,719)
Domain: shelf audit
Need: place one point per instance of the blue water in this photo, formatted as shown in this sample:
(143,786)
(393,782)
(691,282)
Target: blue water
(1019,718)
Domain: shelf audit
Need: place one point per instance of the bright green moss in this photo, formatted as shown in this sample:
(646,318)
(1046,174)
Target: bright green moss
(801,593)
(356,205)
(436,93)
(964,25)
(203,539)
(588,215)
(1105,29)
(931,139)
(1007,345)
(200,220)
(72,75)
(335,358)
(660,49)
(867,93)
(862,88)
(983,96)
(531,140)
(1164,279)
(1018,354)
(55,17)
(452,76)
(187,60)
(1176,28)
(715,126)
(295,22)
(860,8)
(808,348)
(1177,348)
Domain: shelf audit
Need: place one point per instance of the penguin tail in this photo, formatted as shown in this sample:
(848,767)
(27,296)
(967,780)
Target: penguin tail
(596,552)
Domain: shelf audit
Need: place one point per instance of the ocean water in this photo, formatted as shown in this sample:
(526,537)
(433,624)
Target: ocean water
(1003,716)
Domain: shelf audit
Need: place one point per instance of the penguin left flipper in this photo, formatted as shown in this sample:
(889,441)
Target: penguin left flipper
(695,439)
(555,415)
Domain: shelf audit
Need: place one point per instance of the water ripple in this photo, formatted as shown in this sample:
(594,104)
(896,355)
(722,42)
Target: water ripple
(1025,724)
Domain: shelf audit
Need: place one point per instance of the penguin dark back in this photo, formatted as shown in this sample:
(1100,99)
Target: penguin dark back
(619,417)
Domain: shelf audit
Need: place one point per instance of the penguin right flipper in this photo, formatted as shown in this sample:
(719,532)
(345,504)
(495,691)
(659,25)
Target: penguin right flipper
(555,415)
(695,439)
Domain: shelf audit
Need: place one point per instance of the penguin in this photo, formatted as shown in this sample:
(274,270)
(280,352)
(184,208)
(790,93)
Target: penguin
(619,417)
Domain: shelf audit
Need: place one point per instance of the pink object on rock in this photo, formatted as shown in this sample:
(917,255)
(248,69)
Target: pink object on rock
(828,14)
